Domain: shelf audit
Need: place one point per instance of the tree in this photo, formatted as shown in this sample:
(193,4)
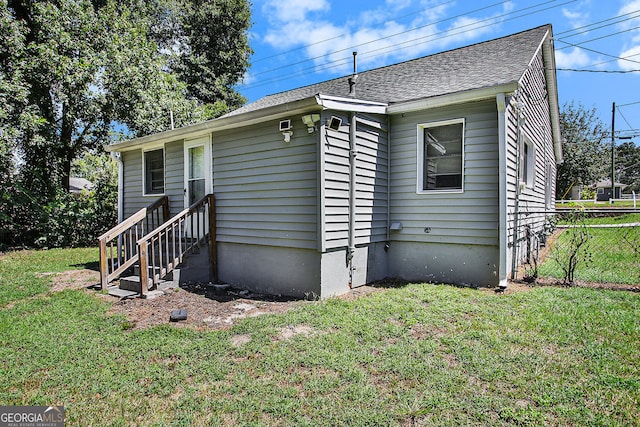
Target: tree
(77,74)
(84,65)
(628,165)
(584,148)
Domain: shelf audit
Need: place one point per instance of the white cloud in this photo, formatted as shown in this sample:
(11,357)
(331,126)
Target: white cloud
(632,54)
(575,58)
(578,16)
(631,50)
(291,10)
(379,39)
(631,8)
(627,8)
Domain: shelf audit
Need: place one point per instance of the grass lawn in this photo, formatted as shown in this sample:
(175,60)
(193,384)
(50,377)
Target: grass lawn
(597,205)
(415,355)
(613,254)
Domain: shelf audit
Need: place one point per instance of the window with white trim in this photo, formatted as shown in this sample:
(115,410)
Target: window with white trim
(153,163)
(440,156)
(528,163)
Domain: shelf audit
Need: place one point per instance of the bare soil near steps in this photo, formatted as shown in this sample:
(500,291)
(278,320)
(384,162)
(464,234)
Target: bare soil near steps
(209,309)
(206,307)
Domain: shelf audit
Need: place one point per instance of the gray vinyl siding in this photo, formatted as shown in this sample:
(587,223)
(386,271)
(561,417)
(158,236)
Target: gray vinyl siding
(174,175)
(469,217)
(536,127)
(371,181)
(133,198)
(266,189)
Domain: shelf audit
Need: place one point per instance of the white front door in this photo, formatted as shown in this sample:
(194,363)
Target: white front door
(197,175)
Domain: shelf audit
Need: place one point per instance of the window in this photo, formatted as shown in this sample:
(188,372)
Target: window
(153,171)
(440,156)
(528,163)
(549,190)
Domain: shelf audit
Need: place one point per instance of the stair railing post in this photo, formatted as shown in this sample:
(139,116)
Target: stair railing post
(144,270)
(165,209)
(213,250)
(103,264)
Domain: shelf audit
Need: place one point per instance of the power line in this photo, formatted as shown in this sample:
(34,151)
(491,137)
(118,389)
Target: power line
(615,59)
(343,35)
(579,45)
(631,103)
(431,37)
(597,38)
(598,71)
(624,118)
(587,29)
(382,38)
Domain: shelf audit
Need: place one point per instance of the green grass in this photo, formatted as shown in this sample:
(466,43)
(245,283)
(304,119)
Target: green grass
(597,205)
(416,355)
(630,218)
(19,271)
(613,253)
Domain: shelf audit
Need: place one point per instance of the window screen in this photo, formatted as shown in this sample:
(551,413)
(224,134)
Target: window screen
(154,172)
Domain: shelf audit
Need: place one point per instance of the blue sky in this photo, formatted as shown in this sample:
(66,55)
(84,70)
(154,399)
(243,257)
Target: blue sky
(299,42)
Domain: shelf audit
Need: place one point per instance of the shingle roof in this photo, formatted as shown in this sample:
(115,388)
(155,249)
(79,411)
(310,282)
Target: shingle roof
(487,64)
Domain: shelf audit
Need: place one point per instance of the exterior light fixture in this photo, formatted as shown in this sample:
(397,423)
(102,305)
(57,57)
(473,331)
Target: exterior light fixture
(287,135)
(334,123)
(310,121)
(287,130)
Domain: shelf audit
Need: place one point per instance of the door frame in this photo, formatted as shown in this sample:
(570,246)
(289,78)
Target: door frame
(208,171)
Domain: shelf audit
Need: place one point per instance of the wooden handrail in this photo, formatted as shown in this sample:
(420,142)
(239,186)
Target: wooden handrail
(164,248)
(122,240)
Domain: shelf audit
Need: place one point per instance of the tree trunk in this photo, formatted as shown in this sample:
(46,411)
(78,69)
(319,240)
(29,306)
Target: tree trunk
(67,149)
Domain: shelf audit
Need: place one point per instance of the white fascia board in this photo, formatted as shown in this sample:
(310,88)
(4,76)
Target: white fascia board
(452,99)
(549,58)
(351,104)
(549,62)
(219,124)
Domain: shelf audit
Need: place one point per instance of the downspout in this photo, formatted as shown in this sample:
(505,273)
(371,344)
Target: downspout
(514,248)
(352,194)
(388,184)
(502,195)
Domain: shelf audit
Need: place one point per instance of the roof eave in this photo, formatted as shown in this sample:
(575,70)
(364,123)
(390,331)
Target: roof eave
(472,95)
(312,103)
(221,123)
(552,89)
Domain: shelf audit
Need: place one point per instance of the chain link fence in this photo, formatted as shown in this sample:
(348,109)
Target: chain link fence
(573,246)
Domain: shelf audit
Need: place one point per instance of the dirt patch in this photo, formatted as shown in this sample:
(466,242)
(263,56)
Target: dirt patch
(291,331)
(208,310)
(72,279)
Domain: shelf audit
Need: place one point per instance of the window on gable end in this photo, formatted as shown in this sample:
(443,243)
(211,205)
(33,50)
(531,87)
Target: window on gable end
(528,163)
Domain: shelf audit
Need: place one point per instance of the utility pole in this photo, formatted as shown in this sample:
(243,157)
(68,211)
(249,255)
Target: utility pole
(613,151)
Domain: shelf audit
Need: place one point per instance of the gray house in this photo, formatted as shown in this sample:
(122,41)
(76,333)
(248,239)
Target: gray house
(415,170)
(603,190)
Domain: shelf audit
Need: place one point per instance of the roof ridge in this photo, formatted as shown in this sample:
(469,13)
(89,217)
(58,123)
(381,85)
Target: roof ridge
(360,73)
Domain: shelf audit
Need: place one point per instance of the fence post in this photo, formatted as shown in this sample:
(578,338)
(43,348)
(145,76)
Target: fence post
(213,250)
